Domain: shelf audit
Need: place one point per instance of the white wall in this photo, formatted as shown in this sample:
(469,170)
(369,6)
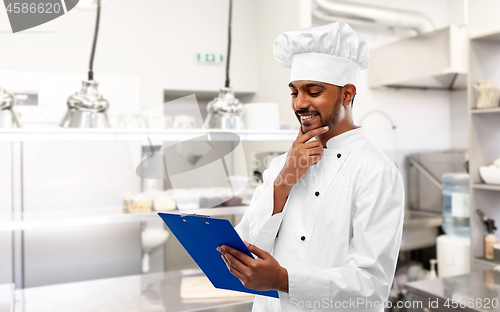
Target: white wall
(274,18)
(483,14)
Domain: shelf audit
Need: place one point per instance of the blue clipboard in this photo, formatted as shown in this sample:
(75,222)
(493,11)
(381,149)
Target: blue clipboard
(201,236)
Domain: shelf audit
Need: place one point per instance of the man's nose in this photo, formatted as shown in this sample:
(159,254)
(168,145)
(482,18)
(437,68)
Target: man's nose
(301,102)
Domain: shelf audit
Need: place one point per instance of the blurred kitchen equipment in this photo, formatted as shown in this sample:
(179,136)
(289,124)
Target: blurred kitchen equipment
(130,122)
(262,160)
(87,109)
(8,118)
(139,203)
(225,111)
(487,94)
(408,63)
(432,274)
(490,239)
(491,174)
(169,122)
(264,116)
(187,199)
(496,253)
(424,188)
(453,255)
(184,122)
(456,221)
(424,216)
(152,237)
(164,201)
(371,15)
(154,121)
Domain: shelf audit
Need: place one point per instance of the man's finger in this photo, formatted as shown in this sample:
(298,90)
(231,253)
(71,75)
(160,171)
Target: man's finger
(310,134)
(262,254)
(312,144)
(313,160)
(232,269)
(300,133)
(235,263)
(315,151)
(236,253)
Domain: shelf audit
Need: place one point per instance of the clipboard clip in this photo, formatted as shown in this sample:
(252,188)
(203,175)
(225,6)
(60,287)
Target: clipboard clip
(193,215)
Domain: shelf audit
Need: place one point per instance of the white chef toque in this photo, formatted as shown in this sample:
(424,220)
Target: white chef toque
(333,54)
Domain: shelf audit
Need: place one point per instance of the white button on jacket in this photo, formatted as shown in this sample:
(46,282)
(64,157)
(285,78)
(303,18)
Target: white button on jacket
(340,230)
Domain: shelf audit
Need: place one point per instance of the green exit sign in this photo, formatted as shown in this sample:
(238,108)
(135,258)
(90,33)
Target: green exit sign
(212,58)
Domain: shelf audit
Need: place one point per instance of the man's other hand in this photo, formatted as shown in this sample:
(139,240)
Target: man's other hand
(262,274)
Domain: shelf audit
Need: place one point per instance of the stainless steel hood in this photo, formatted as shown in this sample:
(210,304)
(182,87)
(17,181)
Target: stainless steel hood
(434,60)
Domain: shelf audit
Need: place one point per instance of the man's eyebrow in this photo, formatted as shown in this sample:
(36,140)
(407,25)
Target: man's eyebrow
(313,84)
(308,85)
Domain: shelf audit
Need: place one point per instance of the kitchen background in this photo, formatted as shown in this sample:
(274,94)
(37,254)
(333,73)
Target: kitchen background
(412,104)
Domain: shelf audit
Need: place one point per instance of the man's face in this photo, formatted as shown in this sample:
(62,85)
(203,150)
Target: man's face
(316,104)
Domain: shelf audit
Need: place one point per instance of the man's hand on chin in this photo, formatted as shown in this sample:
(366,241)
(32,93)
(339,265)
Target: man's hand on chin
(262,274)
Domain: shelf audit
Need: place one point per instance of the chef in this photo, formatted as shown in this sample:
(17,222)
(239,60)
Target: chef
(326,224)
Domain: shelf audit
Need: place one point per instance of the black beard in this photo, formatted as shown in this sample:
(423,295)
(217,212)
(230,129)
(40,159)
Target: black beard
(335,115)
(333,119)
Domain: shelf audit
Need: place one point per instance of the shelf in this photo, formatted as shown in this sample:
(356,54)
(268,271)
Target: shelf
(93,216)
(485,110)
(123,135)
(484,186)
(484,135)
(203,94)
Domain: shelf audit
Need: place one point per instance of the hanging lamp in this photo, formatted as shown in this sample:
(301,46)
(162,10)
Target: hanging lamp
(87,108)
(225,111)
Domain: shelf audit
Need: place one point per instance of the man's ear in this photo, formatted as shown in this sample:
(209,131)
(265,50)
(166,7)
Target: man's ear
(349,92)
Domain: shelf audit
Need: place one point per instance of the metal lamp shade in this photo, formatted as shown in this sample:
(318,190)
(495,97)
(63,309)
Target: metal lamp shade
(225,112)
(86,109)
(8,118)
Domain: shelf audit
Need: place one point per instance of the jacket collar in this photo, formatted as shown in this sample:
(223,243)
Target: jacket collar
(344,139)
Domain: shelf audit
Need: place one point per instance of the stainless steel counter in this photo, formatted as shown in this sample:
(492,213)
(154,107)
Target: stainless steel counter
(476,289)
(145,293)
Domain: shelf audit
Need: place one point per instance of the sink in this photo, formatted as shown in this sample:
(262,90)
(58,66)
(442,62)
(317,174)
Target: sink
(420,229)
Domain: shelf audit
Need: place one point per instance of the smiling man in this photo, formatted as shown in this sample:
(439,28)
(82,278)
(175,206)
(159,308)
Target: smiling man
(326,223)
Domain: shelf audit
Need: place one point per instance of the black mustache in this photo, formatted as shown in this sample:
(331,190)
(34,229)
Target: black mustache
(305,111)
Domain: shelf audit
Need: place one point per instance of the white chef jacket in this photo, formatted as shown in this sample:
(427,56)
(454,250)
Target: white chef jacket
(339,233)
